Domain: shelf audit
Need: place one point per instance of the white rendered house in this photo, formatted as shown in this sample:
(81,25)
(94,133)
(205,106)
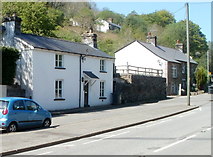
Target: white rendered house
(171,61)
(104,26)
(60,74)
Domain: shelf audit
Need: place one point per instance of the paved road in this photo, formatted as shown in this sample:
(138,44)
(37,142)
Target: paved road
(67,127)
(185,134)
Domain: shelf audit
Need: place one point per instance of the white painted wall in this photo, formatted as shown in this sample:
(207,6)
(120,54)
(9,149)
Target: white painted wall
(93,64)
(137,55)
(103,27)
(24,71)
(8,35)
(45,75)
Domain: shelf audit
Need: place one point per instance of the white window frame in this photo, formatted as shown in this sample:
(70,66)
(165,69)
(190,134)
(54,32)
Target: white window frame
(59,89)
(59,60)
(174,71)
(102,65)
(102,89)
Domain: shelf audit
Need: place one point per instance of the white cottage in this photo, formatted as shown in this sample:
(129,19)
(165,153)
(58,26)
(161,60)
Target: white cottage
(60,74)
(104,26)
(152,56)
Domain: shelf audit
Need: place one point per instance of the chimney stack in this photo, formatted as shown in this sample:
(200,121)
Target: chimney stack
(17,23)
(152,39)
(179,46)
(90,38)
(12,26)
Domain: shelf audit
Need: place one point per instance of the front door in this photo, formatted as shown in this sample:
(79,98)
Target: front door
(86,94)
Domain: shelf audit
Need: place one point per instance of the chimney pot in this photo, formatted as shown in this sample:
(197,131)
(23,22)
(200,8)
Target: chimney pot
(90,38)
(152,39)
(179,45)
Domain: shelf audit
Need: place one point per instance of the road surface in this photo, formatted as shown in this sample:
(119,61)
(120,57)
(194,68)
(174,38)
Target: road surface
(184,134)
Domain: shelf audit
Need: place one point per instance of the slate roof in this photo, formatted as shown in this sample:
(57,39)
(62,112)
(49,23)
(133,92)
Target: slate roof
(166,53)
(115,25)
(61,45)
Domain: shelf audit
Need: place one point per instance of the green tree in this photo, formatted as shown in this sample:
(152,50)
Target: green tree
(135,25)
(161,18)
(177,31)
(9,58)
(201,77)
(107,46)
(106,14)
(86,18)
(37,18)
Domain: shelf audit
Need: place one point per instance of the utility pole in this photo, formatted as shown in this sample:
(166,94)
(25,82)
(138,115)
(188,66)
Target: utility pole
(207,67)
(188,55)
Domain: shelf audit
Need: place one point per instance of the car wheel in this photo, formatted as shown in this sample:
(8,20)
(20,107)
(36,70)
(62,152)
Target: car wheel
(47,123)
(12,127)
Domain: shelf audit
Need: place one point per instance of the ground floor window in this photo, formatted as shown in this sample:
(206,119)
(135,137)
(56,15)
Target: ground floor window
(58,88)
(102,88)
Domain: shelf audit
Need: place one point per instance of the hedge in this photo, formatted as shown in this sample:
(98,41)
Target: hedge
(9,58)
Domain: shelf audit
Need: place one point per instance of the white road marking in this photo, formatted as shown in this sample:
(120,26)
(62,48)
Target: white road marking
(64,145)
(186,114)
(175,143)
(45,153)
(208,129)
(106,137)
(157,123)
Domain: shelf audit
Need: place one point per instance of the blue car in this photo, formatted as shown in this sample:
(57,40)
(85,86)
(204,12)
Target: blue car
(17,113)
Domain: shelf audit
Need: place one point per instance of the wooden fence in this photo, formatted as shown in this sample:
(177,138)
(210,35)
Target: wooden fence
(128,69)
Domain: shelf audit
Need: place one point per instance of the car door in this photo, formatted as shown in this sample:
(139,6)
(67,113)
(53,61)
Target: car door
(19,114)
(35,116)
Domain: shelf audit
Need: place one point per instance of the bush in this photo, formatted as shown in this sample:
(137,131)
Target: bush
(201,77)
(9,58)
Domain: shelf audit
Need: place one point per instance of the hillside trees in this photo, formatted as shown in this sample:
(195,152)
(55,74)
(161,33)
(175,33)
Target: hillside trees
(161,18)
(136,26)
(177,31)
(37,18)
(85,18)
(106,14)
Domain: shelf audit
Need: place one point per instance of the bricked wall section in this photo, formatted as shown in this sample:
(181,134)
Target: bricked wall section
(137,88)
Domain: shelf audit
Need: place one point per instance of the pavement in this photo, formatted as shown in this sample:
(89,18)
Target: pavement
(76,124)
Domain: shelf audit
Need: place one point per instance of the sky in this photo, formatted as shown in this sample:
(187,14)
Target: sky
(199,12)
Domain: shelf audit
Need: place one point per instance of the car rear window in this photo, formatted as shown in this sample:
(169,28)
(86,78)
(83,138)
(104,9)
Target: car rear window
(3,104)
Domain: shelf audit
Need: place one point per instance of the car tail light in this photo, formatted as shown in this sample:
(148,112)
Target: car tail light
(5,111)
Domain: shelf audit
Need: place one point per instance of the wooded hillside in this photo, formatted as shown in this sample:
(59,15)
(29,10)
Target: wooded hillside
(53,19)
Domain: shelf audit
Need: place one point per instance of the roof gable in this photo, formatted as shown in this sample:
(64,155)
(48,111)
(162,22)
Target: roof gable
(166,53)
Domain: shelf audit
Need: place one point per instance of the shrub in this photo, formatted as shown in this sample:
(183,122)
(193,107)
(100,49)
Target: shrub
(9,58)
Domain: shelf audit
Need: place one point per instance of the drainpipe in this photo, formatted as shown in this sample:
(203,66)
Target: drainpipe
(80,81)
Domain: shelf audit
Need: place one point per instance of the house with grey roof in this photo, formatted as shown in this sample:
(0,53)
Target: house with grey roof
(106,25)
(60,74)
(150,55)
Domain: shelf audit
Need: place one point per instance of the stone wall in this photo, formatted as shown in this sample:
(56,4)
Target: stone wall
(137,88)
(11,91)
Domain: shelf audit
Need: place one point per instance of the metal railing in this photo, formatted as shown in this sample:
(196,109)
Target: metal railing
(128,69)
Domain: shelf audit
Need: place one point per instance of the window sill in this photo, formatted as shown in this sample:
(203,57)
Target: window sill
(59,99)
(60,68)
(102,97)
(103,72)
